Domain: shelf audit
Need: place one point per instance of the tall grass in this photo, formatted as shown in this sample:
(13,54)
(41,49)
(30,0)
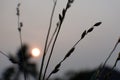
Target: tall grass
(20,25)
(46,43)
(56,33)
(53,38)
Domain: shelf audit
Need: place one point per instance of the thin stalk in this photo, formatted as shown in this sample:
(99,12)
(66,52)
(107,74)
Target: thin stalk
(52,38)
(46,42)
(51,41)
(56,69)
(107,61)
(4,54)
(61,18)
(108,75)
(81,38)
(20,36)
(61,60)
(51,52)
(114,65)
(21,43)
(51,72)
(49,76)
(77,42)
(110,54)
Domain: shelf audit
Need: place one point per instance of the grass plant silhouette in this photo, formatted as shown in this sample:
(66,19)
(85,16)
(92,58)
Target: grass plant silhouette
(22,58)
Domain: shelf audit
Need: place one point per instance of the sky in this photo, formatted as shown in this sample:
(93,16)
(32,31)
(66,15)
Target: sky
(35,15)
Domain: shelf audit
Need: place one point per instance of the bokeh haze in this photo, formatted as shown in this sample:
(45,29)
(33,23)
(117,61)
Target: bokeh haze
(35,15)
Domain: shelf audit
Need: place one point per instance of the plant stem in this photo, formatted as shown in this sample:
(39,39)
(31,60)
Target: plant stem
(68,54)
(21,43)
(22,63)
(51,40)
(107,61)
(51,52)
(109,74)
(110,54)
(4,54)
(46,42)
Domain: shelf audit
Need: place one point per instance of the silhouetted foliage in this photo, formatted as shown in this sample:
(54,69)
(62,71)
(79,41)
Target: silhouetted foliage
(8,73)
(30,68)
(24,66)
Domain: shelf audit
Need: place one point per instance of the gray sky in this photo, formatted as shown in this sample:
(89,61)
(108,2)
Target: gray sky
(35,15)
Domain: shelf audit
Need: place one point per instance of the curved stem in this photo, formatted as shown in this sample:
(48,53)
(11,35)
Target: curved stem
(51,53)
(51,41)
(46,42)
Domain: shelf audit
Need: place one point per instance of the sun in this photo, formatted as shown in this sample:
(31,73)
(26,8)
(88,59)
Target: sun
(36,52)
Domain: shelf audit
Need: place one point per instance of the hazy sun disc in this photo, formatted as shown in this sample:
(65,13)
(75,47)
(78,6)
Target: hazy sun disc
(36,52)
